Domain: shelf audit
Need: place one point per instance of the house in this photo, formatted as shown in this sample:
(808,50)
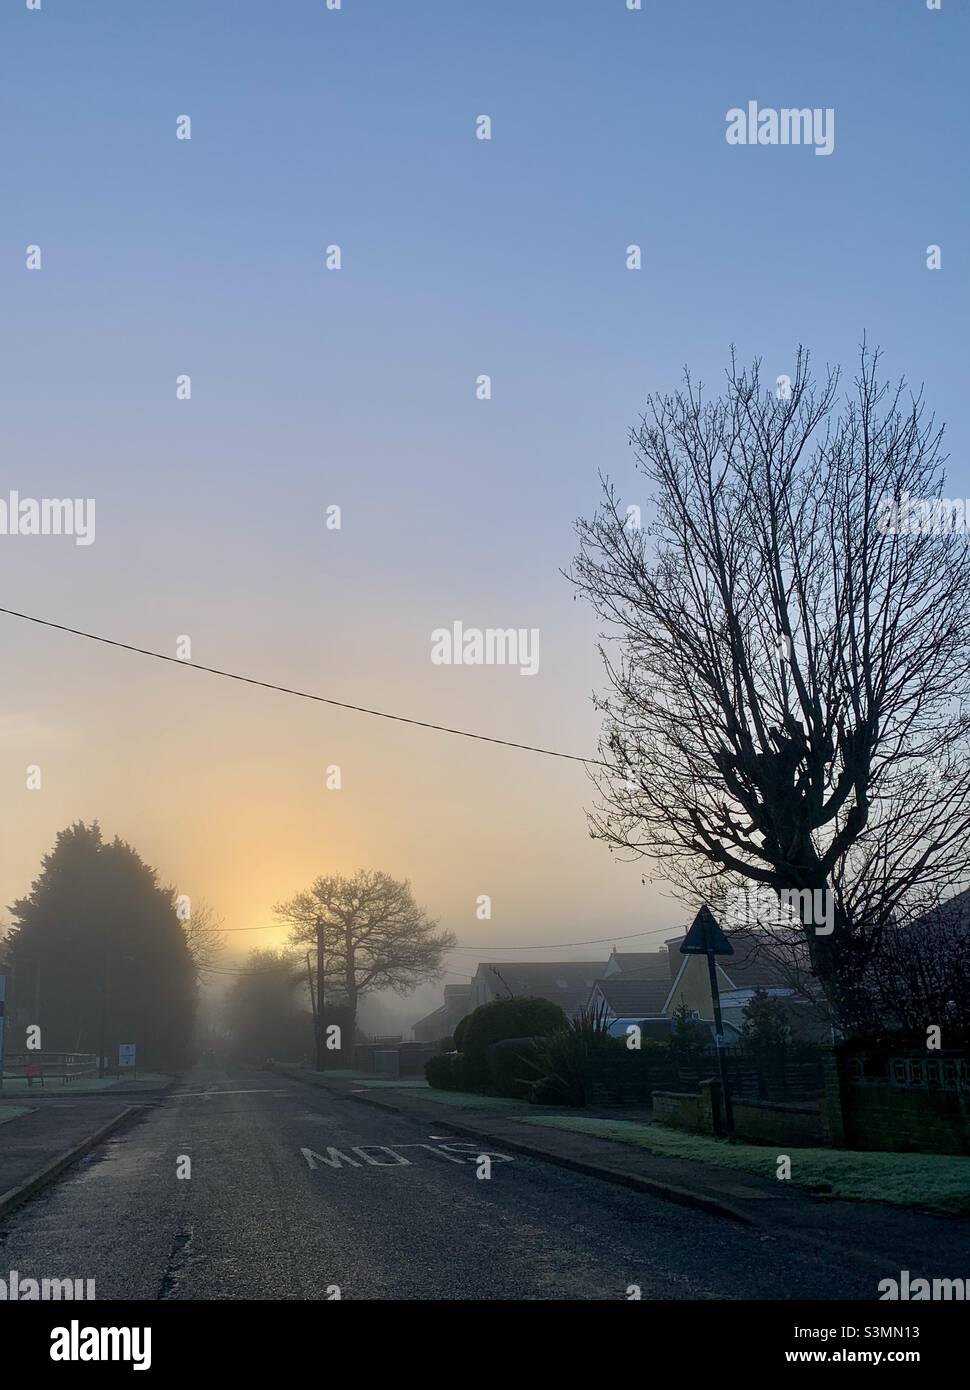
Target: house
(443,1022)
(567,982)
(649,987)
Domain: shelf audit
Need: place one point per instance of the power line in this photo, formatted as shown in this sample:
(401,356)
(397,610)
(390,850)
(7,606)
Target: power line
(280,967)
(563,945)
(302,694)
(282,926)
(542,946)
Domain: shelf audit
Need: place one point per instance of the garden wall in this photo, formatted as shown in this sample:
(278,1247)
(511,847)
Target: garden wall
(898,1102)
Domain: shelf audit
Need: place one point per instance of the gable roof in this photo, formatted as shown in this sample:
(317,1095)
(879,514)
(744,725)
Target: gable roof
(638,965)
(628,998)
(565,982)
(438,1018)
(751,967)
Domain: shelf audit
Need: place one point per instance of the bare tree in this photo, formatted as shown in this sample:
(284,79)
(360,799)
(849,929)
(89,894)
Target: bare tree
(374,935)
(787,658)
(203,936)
(922,974)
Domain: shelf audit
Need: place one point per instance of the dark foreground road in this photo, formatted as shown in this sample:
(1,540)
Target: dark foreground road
(256,1221)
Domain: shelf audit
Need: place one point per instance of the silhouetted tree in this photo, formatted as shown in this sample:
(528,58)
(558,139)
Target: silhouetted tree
(375,936)
(203,936)
(265,1010)
(788,705)
(99,956)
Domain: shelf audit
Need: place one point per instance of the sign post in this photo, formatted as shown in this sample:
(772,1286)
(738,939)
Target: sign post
(126,1057)
(705,938)
(3,1020)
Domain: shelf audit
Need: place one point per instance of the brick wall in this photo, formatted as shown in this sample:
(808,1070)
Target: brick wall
(683,1110)
(761,1122)
(877,1115)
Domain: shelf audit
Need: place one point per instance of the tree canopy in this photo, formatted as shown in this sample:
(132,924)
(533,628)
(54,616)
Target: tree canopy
(375,935)
(98,954)
(788,665)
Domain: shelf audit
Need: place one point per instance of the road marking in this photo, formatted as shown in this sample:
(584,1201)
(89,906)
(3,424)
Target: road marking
(340,1158)
(204,1095)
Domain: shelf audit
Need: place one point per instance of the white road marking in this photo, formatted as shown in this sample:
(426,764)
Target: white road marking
(204,1095)
(339,1158)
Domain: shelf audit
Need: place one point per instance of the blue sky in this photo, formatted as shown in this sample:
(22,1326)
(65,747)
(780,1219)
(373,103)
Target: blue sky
(460,257)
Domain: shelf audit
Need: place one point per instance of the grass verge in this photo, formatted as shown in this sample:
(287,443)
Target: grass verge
(929,1182)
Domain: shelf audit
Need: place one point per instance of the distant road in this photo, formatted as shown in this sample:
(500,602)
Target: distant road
(392,1214)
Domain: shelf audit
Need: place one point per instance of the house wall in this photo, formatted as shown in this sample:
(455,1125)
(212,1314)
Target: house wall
(694,988)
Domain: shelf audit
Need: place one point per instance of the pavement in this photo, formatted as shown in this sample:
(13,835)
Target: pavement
(42,1129)
(249,1184)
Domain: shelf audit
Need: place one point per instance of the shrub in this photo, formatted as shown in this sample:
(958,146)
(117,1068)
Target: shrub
(444,1072)
(765,1027)
(690,1037)
(459,1035)
(560,1065)
(504,1018)
(509,1063)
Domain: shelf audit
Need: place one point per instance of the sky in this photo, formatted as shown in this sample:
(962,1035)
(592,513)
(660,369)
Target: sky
(314,387)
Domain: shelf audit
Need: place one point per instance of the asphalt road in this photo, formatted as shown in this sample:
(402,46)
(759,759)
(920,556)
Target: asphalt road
(260,1219)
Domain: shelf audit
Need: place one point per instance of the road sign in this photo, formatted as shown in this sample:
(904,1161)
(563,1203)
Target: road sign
(126,1054)
(705,937)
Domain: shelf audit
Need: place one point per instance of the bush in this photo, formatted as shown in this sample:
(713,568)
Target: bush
(559,1070)
(689,1037)
(510,1064)
(501,1019)
(444,1072)
(459,1036)
(765,1027)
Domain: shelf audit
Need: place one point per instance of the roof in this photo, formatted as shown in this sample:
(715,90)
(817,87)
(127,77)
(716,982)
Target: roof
(441,1022)
(432,1021)
(751,966)
(639,965)
(565,982)
(628,998)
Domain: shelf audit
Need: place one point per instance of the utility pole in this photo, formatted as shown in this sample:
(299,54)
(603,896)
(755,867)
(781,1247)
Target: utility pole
(104,1008)
(3,1008)
(309,980)
(320,992)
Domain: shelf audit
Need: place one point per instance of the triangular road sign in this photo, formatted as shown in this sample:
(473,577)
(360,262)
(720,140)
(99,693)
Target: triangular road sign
(705,935)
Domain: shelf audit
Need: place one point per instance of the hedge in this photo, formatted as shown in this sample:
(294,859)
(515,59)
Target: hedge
(501,1019)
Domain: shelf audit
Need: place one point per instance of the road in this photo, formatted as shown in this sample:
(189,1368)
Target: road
(259,1218)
